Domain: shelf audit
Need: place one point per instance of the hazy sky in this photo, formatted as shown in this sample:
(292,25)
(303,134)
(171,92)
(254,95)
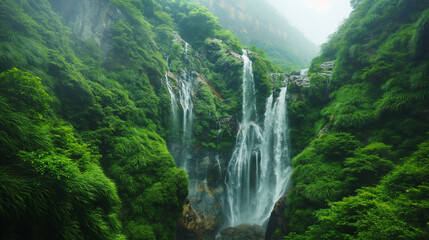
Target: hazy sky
(317,19)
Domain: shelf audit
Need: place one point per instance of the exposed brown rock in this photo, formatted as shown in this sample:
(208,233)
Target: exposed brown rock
(193,226)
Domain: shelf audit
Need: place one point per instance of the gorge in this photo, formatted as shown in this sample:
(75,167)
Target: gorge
(144,119)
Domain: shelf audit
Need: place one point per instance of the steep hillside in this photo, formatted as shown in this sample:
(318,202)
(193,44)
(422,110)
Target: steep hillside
(86,114)
(360,133)
(256,22)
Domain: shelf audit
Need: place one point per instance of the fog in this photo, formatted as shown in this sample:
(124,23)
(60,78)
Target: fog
(317,19)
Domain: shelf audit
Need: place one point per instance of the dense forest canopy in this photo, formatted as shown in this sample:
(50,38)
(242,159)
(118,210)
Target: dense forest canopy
(366,176)
(86,120)
(85,113)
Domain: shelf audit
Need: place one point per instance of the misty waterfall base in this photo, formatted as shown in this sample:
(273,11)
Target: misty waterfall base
(259,170)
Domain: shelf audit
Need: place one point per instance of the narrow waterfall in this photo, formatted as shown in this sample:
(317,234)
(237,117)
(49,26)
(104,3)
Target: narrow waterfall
(173,104)
(203,194)
(181,122)
(186,88)
(259,170)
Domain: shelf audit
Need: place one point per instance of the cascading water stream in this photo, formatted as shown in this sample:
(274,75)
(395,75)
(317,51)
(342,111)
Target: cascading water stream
(259,169)
(173,103)
(181,129)
(186,88)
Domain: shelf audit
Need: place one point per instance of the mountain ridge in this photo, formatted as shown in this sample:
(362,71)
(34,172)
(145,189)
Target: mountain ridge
(256,22)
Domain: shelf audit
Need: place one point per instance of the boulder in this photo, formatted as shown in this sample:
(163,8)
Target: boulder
(276,220)
(327,65)
(193,226)
(242,232)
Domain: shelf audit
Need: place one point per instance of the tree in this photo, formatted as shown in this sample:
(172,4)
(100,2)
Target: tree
(354,3)
(199,25)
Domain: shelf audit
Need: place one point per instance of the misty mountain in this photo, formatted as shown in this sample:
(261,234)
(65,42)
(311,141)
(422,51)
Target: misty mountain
(256,22)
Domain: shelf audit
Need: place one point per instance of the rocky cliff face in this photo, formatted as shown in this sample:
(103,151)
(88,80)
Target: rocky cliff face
(276,220)
(89,19)
(238,11)
(300,79)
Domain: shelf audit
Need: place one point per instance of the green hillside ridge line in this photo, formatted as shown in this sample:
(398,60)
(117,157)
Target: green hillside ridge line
(85,119)
(85,114)
(360,136)
(257,23)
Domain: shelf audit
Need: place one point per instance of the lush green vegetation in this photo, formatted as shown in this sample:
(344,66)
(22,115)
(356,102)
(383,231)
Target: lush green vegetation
(84,118)
(82,126)
(365,176)
(214,54)
(52,185)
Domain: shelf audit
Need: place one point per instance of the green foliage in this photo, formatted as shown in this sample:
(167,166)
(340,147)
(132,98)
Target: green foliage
(419,45)
(335,147)
(263,85)
(198,25)
(396,208)
(149,184)
(368,164)
(303,127)
(351,107)
(331,168)
(206,124)
(378,93)
(318,177)
(105,99)
(24,91)
(318,91)
(51,186)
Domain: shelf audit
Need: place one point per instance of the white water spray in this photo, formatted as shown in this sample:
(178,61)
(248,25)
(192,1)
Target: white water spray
(186,88)
(173,102)
(259,170)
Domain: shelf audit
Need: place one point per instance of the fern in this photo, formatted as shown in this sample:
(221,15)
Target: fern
(419,44)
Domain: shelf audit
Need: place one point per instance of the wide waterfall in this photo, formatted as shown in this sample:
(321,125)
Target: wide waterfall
(259,170)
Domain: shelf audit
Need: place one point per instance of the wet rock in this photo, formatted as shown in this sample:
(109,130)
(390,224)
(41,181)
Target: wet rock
(326,69)
(173,76)
(242,232)
(298,78)
(276,220)
(231,124)
(202,214)
(327,65)
(301,78)
(277,78)
(193,226)
(235,55)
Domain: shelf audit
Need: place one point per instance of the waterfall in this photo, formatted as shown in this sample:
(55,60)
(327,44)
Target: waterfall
(186,88)
(259,170)
(181,129)
(173,104)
